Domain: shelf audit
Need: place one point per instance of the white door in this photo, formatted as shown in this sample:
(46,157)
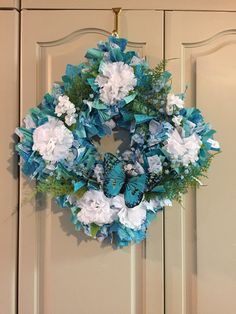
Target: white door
(200,238)
(61,271)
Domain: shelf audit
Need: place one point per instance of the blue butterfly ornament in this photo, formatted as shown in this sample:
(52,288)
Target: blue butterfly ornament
(117,180)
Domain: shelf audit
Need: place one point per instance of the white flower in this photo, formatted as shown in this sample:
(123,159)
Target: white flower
(99,172)
(52,140)
(132,218)
(134,169)
(65,106)
(95,208)
(70,119)
(175,100)
(116,80)
(128,167)
(177,120)
(172,101)
(154,163)
(183,150)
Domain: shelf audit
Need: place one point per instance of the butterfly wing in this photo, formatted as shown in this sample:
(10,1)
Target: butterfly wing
(114,176)
(110,161)
(134,190)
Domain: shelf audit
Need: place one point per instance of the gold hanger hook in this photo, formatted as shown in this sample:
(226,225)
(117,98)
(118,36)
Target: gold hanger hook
(115,32)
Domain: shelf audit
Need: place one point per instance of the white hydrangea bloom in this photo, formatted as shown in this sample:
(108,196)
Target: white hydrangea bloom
(155,164)
(130,217)
(65,106)
(95,208)
(52,140)
(116,80)
(183,150)
(172,101)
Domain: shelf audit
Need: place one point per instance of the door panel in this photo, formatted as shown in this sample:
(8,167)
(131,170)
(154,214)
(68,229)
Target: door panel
(200,236)
(62,271)
(10,4)
(9,91)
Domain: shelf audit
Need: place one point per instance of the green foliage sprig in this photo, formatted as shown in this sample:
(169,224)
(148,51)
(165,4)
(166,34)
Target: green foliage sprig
(78,91)
(54,187)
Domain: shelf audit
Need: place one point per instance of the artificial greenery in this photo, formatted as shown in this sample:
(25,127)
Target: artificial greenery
(54,187)
(77,91)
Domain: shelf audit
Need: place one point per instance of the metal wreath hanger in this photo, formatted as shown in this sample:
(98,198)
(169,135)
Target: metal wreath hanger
(116,12)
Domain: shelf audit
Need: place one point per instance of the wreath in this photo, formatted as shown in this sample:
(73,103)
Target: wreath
(115,196)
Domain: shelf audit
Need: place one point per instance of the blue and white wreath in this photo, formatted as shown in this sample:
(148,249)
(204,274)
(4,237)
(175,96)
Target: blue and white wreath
(115,196)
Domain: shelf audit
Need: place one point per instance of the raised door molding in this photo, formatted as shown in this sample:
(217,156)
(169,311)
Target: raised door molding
(216,5)
(9,91)
(200,249)
(60,271)
(10,4)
